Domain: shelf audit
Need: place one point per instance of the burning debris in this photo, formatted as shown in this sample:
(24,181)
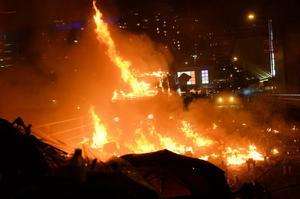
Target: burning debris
(167,140)
(147,138)
(139,88)
(146,127)
(51,172)
(166,171)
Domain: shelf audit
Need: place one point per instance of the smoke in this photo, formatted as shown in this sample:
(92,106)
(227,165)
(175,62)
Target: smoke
(145,55)
(69,74)
(60,73)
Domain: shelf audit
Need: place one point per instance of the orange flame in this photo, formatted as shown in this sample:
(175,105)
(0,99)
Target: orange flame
(197,139)
(142,144)
(240,156)
(148,139)
(139,88)
(100,135)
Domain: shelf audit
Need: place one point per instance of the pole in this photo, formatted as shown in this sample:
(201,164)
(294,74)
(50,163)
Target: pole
(271,49)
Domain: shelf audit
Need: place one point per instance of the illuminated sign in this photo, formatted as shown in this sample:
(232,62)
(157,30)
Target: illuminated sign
(189,73)
(204,76)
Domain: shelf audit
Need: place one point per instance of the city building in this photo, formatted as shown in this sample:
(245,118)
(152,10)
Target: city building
(8,50)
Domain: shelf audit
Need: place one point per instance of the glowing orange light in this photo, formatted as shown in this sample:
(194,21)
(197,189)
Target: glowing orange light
(139,88)
(240,155)
(197,139)
(100,135)
(251,16)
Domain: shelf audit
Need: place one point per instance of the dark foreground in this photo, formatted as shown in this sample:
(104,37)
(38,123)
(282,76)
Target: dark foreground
(30,168)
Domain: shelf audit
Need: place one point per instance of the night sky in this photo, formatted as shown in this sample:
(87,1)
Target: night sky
(20,13)
(31,16)
(29,19)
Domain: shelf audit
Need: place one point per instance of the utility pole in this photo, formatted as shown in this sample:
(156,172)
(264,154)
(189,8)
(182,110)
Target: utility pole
(271,50)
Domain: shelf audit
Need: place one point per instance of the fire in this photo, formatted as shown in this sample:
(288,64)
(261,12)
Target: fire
(100,137)
(254,154)
(158,141)
(142,144)
(241,155)
(205,157)
(147,137)
(274,151)
(150,116)
(214,126)
(139,88)
(197,139)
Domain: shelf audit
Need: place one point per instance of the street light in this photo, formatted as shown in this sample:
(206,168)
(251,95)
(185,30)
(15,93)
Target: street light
(251,16)
(235,58)
(195,58)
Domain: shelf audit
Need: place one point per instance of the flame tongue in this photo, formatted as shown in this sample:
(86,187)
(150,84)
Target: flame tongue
(103,35)
(147,138)
(196,138)
(240,156)
(100,134)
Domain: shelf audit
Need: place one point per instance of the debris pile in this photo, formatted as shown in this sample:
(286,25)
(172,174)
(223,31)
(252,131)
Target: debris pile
(31,168)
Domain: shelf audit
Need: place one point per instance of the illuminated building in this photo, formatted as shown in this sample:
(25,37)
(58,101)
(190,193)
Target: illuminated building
(204,76)
(7,50)
(191,81)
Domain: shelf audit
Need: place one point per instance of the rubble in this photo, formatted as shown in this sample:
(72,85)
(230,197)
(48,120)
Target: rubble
(31,168)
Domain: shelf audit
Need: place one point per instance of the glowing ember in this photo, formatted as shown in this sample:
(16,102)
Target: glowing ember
(116,119)
(150,116)
(274,151)
(214,127)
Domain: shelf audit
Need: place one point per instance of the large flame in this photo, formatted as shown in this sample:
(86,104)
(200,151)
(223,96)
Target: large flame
(238,156)
(197,139)
(100,137)
(146,137)
(139,88)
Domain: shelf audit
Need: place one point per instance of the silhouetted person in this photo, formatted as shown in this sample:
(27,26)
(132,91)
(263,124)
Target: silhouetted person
(93,164)
(20,122)
(77,166)
(28,129)
(250,164)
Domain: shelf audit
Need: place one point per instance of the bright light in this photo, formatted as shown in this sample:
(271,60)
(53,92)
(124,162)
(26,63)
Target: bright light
(192,81)
(251,16)
(220,99)
(150,116)
(235,58)
(274,151)
(231,99)
(204,76)
(116,119)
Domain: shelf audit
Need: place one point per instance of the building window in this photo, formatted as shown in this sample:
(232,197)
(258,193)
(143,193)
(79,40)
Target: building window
(191,81)
(204,76)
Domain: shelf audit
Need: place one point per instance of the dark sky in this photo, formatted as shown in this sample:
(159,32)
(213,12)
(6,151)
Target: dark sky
(20,13)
